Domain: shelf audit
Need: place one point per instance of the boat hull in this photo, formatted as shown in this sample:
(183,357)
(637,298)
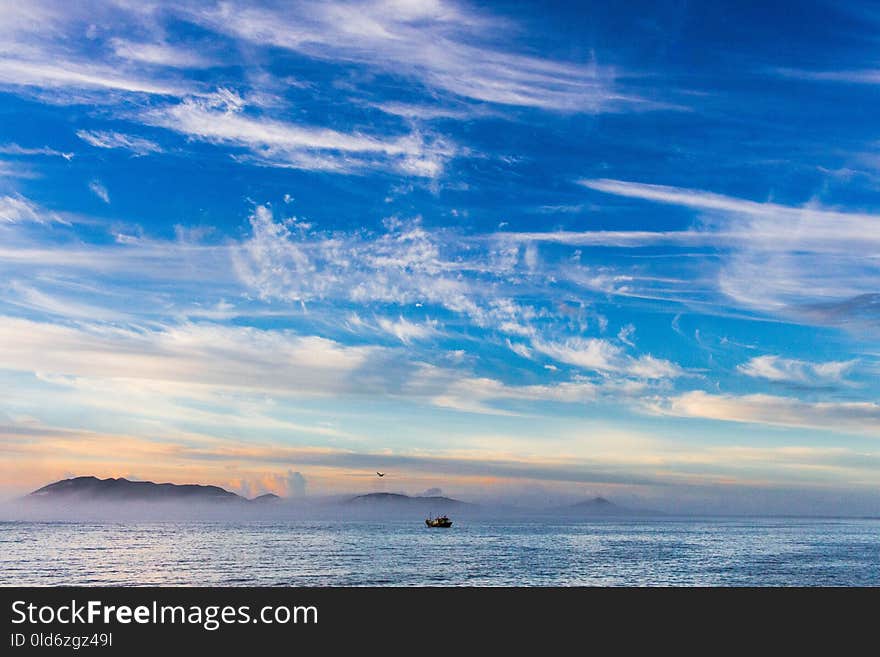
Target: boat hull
(439,524)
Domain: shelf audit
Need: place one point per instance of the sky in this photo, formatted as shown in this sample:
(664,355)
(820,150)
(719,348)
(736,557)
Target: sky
(514,251)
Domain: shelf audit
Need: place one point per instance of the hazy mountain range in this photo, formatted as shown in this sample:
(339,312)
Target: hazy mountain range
(106,494)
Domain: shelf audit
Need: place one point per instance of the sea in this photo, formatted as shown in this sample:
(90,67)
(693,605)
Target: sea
(540,552)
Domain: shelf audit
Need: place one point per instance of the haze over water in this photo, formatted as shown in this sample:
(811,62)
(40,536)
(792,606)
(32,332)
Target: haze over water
(664,552)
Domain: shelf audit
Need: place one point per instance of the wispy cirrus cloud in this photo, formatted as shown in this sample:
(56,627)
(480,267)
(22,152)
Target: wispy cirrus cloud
(471,394)
(15,149)
(430,112)
(791,370)
(147,259)
(776,258)
(601,355)
(287,260)
(613,238)
(18,209)
(221,119)
(110,139)
(99,190)
(406,331)
(444,45)
(405,277)
(159,54)
(82,75)
(830,226)
(206,354)
(404,265)
(860,417)
(38,57)
(845,76)
(23,295)
(206,360)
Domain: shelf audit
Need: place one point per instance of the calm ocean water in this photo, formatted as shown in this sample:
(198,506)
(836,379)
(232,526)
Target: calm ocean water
(712,552)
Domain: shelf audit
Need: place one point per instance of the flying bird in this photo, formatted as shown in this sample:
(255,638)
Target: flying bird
(381,474)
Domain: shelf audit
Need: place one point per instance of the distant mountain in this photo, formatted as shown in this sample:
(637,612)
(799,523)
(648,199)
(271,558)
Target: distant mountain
(266,498)
(594,505)
(397,500)
(123,490)
(599,506)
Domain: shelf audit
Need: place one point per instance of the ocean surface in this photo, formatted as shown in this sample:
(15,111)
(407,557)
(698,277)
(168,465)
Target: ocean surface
(630,552)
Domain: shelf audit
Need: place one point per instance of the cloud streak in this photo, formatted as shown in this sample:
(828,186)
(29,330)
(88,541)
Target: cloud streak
(159,54)
(777,258)
(15,149)
(220,119)
(443,45)
(18,209)
(110,139)
(99,190)
(603,356)
(847,417)
(193,353)
(75,75)
(790,370)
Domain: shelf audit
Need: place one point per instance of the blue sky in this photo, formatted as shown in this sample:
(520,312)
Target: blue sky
(514,251)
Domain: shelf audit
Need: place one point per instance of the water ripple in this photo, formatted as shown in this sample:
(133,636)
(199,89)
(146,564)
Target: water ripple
(716,552)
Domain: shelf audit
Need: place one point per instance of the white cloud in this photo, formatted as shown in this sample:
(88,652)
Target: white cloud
(590,354)
(600,355)
(283,260)
(804,261)
(407,331)
(824,224)
(857,417)
(286,261)
(15,149)
(203,354)
(159,54)
(428,112)
(14,209)
(449,48)
(408,265)
(201,360)
(18,209)
(37,40)
(520,349)
(618,238)
(99,190)
(272,263)
(15,170)
(625,335)
(110,139)
(789,370)
(70,74)
(853,76)
(30,297)
(450,389)
(648,367)
(221,119)
(205,267)
(443,45)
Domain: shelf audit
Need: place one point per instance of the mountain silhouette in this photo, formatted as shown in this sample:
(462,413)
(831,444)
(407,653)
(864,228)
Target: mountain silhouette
(124,490)
(599,506)
(266,498)
(595,504)
(398,500)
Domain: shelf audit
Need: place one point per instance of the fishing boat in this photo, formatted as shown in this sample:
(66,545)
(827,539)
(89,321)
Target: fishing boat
(439,521)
